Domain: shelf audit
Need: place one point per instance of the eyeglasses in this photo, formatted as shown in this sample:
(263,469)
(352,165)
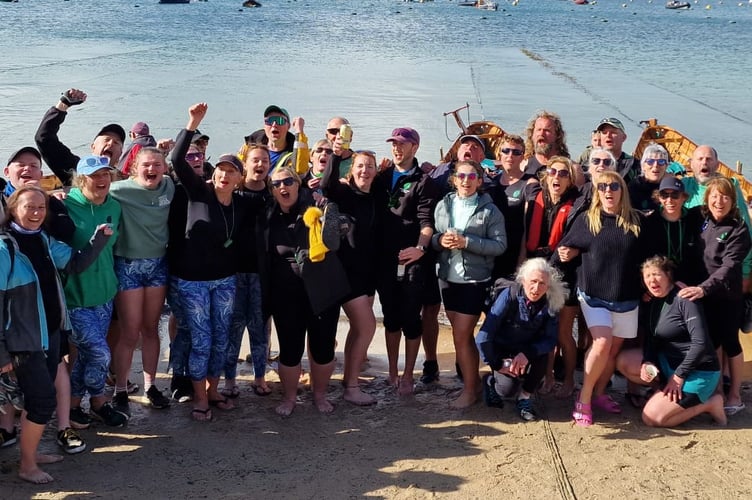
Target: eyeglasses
(97,161)
(194,156)
(324,150)
(597,161)
(333,131)
(278,120)
(564,174)
(674,195)
(472,176)
(514,152)
(611,186)
(287,181)
(661,162)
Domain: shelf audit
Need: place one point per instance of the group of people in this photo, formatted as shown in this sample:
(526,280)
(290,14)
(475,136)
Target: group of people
(289,233)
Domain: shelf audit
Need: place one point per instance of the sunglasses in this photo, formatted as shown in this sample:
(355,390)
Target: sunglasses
(287,181)
(564,174)
(611,186)
(98,161)
(333,131)
(194,156)
(472,176)
(324,150)
(597,161)
(665,195)
(660,162)
(278,120)
(514,152)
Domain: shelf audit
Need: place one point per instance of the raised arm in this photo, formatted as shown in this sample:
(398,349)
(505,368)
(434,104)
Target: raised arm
(193,183)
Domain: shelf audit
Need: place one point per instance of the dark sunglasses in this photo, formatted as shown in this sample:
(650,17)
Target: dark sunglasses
(324,150)
(674,195)
(515,152)
(333,131)
(472,176)
(279,120)
(659,161)
(98,161)
(564,174)
(611,186)
(194,156)
(287,181)
(597,161)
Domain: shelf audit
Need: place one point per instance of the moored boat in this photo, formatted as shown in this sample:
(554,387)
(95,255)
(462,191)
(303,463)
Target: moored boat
(491,134)
(174,1)
(674,4)
(580,2)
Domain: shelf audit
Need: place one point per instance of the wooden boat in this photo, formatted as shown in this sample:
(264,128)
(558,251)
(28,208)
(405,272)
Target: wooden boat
(674,4)
(491,133)
(680,149)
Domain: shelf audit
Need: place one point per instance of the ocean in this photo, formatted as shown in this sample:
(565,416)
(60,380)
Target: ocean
(381,63)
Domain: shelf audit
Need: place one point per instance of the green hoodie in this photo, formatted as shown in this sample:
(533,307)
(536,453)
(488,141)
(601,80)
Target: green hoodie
(98,284)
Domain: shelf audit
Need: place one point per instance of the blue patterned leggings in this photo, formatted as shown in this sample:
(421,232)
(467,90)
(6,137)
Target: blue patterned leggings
(247,314)
(207,311)
(89,371)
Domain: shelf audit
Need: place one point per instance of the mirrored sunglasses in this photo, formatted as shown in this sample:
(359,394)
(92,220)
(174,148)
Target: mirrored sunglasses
(278,120)
(98,161)
(472,176)
(514,152)
(661,162)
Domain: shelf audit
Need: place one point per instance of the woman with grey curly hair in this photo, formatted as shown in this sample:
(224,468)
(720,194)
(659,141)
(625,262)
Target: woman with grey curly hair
(519,332)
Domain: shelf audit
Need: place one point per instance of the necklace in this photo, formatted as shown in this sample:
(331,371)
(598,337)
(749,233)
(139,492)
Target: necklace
(228,230)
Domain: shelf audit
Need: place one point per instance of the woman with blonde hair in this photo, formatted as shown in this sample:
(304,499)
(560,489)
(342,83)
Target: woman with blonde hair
(608,285)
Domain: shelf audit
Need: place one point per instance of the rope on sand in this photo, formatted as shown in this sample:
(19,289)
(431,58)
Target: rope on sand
(562,479)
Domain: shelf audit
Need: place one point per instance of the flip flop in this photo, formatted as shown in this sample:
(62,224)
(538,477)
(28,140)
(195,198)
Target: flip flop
(260,390)
(221,404)
(232,393)
(734,409)
(207,414)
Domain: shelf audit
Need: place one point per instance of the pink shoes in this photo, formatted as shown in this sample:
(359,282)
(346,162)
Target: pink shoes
(582,414)
(605,403)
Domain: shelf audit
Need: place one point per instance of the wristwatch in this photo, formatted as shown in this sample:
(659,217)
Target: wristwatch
(421,248)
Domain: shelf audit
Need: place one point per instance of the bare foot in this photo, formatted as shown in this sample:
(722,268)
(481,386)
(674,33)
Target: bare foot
(285,408)
(357,397)
(565,391)
(466,398)
(406,386)
(36,476)
(42,458)
(322,404)
(394,381)
(716,409)
(201,415)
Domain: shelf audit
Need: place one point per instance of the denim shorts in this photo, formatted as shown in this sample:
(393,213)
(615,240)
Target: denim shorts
(140,273)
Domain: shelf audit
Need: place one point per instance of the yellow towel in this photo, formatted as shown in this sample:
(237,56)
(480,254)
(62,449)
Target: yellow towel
(316,247)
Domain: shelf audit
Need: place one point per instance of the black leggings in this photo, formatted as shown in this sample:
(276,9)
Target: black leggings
(292,319)
(36,373)
(724,318)
(535,373)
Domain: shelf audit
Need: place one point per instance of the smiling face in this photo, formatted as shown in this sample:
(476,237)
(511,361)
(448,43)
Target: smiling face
(108,145)
(656,281)
(150,167)
(672,202)
(403,154)
(24,169)
(363,171)
(719,204)
(467,179)
(96,186)
(257,165)
(558,179)
(286,196)
(535,285)
(29,210)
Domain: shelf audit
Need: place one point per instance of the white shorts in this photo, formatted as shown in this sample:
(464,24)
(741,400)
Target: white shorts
(623,325)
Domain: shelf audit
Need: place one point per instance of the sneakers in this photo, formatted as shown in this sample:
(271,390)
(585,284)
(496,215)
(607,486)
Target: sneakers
(10,392)
(8,438)
(430,371)
(490,396)
(79,419)
(107,415)
(70,441)
(527,412)
(181,389)
(156,398)
(109,387)
(120,404)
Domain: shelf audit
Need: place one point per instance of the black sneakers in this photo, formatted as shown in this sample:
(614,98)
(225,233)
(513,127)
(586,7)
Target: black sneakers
(121,405)
(527,412)
(156,398)
(490,396)
(109,416)
(79,418)
(8,438)
(70,441)
(430,372)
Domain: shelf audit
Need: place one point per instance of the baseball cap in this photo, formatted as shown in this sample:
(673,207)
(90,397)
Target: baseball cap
(91,164)
(232,160)
(140,128)
(475,138)
(26,149)
(669,182)
(403,135)
(614,122)
(198,136)
(113,128)
(276,109)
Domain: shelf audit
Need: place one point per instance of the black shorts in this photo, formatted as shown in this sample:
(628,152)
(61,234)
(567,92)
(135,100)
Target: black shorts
(401,301)
(431,292)
(464,298)
(724,318)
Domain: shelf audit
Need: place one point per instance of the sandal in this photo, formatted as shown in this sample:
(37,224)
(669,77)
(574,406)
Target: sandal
(222,404)
(582,414)
(230,392)
(604,402)
(200,415)
(261,390)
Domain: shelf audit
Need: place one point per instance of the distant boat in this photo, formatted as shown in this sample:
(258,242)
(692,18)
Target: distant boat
(174,1)
(480,4)
(675,5)
(251,3)
(9,1)
(580,2)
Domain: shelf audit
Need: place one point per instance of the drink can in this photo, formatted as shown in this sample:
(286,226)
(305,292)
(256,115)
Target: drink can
(345,132)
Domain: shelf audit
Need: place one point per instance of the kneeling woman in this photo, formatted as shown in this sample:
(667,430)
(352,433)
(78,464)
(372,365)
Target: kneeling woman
(679,348)
(34,313)
(521,330)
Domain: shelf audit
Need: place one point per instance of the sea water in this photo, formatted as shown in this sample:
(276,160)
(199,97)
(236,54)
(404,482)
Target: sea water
(382,64)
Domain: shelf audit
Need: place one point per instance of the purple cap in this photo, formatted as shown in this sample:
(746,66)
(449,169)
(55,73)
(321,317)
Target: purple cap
(404,135)
(27,149)
(669,182)
(232,160)
(140,129)
(475,138)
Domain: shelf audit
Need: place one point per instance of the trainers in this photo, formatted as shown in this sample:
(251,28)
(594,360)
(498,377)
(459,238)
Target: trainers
(120,404)
(181,389)
(12,393)
(527,412)
(156,398)
(79,419)
(430,372)
(107,414)
(70,441)
(490,396)
(109,385)
(8,438)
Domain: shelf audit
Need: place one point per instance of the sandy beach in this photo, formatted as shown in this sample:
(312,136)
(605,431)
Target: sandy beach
(412,447)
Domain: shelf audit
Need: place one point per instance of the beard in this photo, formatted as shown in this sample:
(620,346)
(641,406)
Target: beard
(543,149)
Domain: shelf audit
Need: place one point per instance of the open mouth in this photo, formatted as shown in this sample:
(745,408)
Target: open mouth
(151,177)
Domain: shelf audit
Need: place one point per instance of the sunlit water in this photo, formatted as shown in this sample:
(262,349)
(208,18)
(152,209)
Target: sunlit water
(382,64)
